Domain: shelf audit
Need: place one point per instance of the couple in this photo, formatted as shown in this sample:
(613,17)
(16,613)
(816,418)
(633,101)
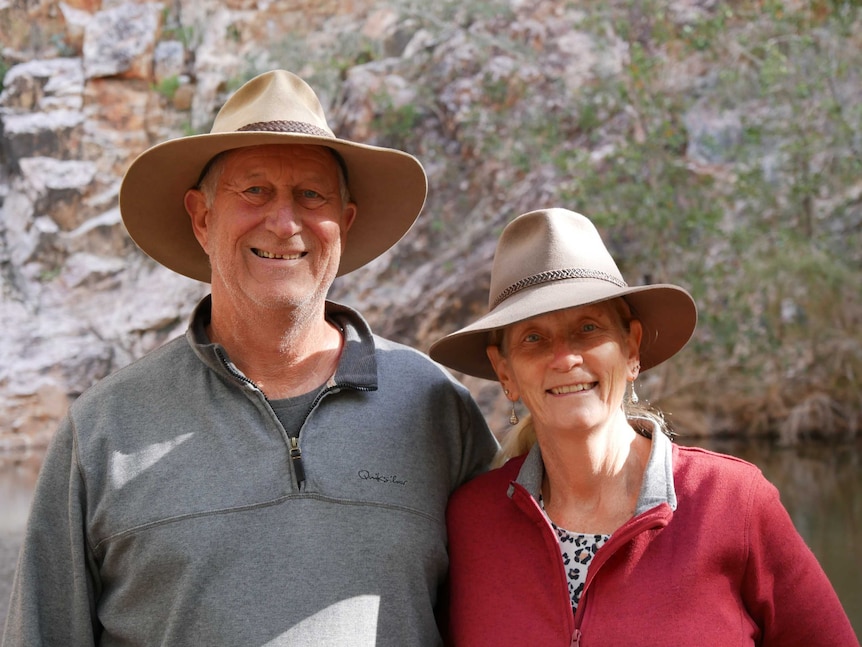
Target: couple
(281,475)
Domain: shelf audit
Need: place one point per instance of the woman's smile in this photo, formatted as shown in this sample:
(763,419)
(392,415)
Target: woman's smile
(572,388)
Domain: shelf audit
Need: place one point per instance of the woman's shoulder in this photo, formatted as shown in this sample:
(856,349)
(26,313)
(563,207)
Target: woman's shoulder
(695,465)
(488,485)
(711,458)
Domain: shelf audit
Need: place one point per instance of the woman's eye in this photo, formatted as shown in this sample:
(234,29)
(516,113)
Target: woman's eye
(589,327)
(532,338)
(254,190)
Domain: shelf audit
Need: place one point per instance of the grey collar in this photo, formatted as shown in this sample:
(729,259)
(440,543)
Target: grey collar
(657,486)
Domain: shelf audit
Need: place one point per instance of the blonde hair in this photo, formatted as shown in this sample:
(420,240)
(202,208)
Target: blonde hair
(518,440)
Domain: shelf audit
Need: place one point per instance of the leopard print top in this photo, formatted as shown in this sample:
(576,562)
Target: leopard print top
(577,550)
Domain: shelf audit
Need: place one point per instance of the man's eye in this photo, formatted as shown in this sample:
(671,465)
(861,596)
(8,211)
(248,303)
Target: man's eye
(309,194)
(254,190)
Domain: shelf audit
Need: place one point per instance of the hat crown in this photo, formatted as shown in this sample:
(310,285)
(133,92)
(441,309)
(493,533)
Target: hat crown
(274,97)
(548,245)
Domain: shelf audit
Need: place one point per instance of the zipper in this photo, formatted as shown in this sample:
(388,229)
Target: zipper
(292,441)
(296,459)
(630,529)
(230,369)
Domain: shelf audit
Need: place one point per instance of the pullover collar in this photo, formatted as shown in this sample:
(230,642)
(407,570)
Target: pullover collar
(657,486)
(357,367)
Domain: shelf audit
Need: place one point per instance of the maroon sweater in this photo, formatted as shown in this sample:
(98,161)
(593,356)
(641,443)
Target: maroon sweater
(714,559)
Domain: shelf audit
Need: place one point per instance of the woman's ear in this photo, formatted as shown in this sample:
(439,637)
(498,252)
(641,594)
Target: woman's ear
(501,368)
(634,347)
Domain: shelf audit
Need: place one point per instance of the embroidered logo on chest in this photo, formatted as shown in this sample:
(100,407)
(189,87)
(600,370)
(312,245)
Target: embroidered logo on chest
(390,479)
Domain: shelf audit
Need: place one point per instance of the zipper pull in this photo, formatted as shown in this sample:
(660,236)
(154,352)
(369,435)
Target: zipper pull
(296,457)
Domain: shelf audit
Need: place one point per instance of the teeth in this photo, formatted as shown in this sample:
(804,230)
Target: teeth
(571,388)
(289,257)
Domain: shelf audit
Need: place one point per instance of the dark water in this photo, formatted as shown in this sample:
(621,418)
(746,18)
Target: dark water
(820,486)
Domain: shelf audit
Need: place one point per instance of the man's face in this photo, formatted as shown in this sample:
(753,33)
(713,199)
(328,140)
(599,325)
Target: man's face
(276,225)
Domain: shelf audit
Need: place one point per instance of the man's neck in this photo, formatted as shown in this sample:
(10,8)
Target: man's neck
(285,353)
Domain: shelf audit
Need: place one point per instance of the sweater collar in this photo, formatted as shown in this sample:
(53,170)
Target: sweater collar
(358,364)
(357,367)
(657,486)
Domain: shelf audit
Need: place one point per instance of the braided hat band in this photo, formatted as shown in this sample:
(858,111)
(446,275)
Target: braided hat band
(555,275)
(281,126)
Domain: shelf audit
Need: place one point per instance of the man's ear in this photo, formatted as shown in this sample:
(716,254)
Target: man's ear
(348,216)
(196,206)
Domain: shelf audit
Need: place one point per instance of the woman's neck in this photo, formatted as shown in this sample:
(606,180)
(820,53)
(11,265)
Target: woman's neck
(592,483)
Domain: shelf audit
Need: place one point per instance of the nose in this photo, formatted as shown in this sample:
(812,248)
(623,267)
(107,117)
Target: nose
(565,355)
(283,218)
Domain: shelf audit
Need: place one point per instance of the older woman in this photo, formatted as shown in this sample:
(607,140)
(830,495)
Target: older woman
(601,531)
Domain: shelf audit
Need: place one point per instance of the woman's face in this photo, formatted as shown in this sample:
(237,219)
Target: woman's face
(570,368)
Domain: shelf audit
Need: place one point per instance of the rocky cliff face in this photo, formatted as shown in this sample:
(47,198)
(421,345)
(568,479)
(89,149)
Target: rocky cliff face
(88,86)
(466,87)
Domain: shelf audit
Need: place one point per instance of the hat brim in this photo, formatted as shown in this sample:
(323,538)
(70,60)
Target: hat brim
(388,186)
(667,313)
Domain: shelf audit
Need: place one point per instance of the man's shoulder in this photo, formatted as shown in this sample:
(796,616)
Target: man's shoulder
(387,344)
(402,354)
(160,365)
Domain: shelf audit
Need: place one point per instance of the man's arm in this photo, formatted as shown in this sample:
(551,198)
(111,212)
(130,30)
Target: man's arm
(479,444)
(53,593)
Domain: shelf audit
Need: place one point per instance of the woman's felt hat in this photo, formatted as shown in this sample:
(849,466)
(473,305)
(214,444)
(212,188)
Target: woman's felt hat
(553,259)
(388,186)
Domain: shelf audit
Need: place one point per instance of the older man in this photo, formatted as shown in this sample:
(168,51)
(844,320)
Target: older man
(280,475)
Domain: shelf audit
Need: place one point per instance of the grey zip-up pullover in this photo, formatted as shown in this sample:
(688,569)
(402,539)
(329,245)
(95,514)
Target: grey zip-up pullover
(170,509)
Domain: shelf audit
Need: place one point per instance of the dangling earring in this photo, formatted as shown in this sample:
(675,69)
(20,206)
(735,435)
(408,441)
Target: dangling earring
(634,397)
(513,417)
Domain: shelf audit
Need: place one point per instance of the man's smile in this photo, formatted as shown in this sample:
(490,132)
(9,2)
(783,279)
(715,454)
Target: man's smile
(289,257)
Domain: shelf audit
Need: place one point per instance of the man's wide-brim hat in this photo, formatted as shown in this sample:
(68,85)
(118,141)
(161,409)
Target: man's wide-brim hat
(387,185)
(554,259)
